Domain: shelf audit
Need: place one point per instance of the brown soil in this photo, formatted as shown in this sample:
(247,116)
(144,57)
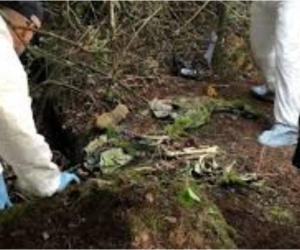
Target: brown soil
(117,217)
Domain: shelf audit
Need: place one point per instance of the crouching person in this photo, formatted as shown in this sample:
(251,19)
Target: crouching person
(20,144)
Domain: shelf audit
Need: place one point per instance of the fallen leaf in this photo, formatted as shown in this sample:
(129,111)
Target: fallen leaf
(211,91)
(193,195)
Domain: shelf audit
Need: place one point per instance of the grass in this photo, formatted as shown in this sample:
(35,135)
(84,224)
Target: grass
(281,215)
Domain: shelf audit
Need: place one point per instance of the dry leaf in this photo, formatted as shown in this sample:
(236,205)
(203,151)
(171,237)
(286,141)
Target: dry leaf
(212,92)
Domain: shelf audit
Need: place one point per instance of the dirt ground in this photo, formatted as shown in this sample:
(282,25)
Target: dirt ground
(142,210)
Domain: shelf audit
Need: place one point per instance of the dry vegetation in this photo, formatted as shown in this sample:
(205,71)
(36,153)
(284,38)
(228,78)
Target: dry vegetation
(118,38)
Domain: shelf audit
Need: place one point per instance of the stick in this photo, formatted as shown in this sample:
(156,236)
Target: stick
(192,18)
(53,82)
(262,153)
(188,151)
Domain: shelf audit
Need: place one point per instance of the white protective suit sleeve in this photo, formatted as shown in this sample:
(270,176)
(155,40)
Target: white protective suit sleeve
(20,144)
(276,44)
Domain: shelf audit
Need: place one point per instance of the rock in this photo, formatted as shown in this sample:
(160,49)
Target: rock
(161,108)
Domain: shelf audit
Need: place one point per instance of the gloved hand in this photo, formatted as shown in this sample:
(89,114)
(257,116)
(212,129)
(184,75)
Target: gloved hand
(4,199)
(66,179)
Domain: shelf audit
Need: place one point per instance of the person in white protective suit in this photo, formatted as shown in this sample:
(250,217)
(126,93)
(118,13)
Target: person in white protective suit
(275,41)
(20,144)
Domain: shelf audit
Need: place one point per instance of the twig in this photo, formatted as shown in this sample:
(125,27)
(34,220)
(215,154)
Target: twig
(112,18)
(53,82)
(128,89)
(145,169)
(157,138)
(147,20)
(21,196)
(189,151)
(235,12)
(51,34)
(262,153)
(192,18)
(115,73)
(68,62)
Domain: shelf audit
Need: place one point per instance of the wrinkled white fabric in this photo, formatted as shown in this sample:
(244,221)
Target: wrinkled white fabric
(20,144)
(275,41)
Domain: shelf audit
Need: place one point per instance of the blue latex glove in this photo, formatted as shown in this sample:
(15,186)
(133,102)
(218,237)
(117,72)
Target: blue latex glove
(66,179)
(4,199)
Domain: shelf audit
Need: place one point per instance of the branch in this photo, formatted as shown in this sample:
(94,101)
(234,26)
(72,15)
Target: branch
(192,18)
(65,85)
(68,62)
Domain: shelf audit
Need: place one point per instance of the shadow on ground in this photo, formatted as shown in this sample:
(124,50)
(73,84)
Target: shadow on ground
(94,221)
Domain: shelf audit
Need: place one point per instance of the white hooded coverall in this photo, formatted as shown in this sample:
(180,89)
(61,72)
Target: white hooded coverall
(275,41)
(20,144)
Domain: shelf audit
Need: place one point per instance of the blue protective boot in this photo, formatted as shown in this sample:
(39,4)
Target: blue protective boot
(4,198)
(263,93)
(279,136)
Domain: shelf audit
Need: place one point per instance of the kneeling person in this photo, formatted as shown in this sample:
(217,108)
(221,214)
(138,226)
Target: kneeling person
(20,144)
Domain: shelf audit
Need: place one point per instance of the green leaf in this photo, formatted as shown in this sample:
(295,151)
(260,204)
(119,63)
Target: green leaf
(188,198)
(193,195)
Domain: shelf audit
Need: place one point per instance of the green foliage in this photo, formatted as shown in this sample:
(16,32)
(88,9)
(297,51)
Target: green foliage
(179,126)
(112,133)
(231,179)
(282,215)
(188,196)
(197,112)
(189,118)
